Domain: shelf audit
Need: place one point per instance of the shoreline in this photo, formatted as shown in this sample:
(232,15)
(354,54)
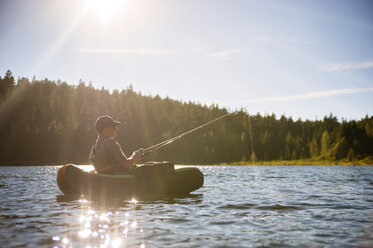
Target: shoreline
(305,162)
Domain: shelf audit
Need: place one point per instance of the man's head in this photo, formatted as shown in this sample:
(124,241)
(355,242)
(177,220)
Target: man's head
(105,124)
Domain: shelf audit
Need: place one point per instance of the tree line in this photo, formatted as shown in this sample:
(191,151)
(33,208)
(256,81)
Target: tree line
(52,122)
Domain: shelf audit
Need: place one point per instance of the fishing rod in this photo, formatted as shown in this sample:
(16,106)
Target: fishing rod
(169,141)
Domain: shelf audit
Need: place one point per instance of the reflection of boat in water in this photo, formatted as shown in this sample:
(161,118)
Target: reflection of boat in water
(153,178)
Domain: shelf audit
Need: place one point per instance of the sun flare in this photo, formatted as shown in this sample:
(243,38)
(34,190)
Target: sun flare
(104,8)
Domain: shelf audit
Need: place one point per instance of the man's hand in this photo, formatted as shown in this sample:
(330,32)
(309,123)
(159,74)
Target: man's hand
(137,155)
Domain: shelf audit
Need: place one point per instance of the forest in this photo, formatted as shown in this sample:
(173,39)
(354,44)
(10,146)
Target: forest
(52,122)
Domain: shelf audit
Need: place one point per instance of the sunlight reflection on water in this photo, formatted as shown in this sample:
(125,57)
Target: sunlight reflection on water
(103,228)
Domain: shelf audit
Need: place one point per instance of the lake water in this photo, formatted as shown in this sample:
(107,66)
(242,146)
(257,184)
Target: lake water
(239,206)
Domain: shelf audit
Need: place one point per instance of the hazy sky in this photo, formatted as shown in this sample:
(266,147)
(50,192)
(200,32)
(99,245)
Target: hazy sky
(303,59)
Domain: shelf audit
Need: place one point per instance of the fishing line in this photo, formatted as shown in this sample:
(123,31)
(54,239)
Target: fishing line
(251,141)
(169,141)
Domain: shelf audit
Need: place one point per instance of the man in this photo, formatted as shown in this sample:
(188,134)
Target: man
(107,155)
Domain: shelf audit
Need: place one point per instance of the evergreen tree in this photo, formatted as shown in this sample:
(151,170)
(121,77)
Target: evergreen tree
(6,85)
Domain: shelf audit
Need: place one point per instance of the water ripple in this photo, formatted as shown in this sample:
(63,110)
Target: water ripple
(278,207)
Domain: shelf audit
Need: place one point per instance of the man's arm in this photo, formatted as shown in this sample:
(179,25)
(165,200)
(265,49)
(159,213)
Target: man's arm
(117,153)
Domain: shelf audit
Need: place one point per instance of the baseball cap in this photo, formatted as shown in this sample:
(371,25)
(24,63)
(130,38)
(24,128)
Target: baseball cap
(105,121)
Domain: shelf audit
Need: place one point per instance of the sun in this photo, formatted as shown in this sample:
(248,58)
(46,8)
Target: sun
(105,8)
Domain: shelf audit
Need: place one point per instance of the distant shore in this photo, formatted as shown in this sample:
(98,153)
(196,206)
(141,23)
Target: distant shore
(366,161)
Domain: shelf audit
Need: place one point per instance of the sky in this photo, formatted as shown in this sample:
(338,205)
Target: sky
(304,59)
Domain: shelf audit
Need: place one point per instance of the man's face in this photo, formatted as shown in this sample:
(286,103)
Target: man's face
(111,132)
